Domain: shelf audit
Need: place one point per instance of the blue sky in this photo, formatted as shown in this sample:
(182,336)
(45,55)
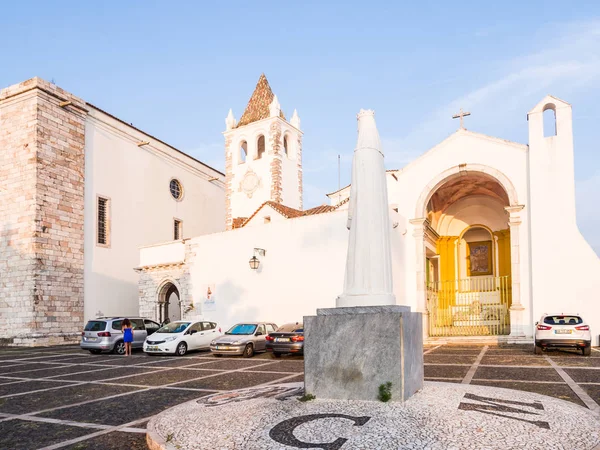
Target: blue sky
(174,69)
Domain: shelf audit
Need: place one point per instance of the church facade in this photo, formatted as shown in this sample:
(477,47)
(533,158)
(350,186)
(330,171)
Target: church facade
(483,233)
(80,192)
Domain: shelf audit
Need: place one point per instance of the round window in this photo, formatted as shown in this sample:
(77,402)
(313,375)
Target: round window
(176,189)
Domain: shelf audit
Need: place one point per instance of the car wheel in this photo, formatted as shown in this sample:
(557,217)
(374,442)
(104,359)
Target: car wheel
(95,351)
(587,351)
(249,351)
(277,355)
(538,349)
(119,348)
(181,349)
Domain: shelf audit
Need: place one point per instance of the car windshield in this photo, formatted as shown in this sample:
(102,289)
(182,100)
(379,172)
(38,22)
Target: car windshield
(95,325)
(242,328)
(174,327)
(563,320)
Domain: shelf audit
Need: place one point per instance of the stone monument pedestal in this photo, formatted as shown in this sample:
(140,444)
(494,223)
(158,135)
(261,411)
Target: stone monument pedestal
(350,351)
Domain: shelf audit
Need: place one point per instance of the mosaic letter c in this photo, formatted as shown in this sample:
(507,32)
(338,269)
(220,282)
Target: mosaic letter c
(283,432)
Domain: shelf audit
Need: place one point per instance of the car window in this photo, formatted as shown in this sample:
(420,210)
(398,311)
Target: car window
(174,327)
(242,328)
(137,324)
(116,325)
(563,320)
(151,326)
(261,329)
(299,330)
(208,326)
(289,327)
(270,328)
(95,325)
(196,326)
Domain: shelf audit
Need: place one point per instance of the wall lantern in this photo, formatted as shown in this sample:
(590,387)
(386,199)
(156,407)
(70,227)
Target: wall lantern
(254,261)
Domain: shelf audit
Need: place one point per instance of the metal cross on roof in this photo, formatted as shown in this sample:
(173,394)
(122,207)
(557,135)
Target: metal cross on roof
(461,115)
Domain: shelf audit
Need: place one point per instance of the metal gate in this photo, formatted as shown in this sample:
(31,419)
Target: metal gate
(477,306)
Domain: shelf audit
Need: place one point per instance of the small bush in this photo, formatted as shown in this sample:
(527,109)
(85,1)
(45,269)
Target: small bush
(385,392)
(307,398)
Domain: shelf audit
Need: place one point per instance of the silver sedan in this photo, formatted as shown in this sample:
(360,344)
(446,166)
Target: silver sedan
(244,338)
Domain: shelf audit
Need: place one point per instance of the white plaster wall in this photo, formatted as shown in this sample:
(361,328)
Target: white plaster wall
(290,194)
(566,271)
(303,269)
(136,179)
(171,252)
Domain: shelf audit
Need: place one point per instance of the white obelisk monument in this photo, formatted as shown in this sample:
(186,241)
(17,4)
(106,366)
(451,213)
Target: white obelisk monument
(368,280)
(367,340)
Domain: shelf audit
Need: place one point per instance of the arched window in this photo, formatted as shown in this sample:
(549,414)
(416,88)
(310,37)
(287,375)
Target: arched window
(243,152)
(549,120)
(285,146)
(260,147)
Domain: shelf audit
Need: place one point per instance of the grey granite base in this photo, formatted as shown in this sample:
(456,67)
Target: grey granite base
(349,352)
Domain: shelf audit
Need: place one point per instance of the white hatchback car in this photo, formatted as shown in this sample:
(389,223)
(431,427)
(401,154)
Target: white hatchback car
(562,330)
(181,336)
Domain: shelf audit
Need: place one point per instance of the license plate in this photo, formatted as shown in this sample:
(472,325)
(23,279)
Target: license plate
(89,339)
(282,339)
(563,331)
(153,347)
(223,347)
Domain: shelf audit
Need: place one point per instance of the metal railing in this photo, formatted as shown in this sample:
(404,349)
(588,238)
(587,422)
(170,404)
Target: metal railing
(477,306)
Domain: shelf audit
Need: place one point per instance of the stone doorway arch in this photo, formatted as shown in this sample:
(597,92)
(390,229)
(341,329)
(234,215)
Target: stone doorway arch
(168,302)
(466,183)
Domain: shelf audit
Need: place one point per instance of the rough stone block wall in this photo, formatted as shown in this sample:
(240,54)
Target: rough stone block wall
(18,156)
(228,183)
(41,209)
(153,278)
(276,163)
(299,159)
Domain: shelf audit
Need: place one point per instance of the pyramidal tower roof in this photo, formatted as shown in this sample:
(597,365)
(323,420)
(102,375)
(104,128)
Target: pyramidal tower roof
(258,106)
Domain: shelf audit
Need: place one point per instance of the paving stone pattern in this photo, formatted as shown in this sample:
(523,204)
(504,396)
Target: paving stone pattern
(49,389)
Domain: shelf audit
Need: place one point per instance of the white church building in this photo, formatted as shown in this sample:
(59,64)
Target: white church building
(483,234)
(80,192)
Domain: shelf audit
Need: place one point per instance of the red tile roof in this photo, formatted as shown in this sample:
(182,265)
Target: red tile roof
(291,213)
(258,106)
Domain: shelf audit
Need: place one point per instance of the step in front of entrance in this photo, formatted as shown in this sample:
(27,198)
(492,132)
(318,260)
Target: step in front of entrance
(493,340)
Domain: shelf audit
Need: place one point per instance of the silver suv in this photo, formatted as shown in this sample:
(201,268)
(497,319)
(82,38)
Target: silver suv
(104,334)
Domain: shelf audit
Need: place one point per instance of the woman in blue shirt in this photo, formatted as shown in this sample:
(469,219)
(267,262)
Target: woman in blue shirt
(127,330)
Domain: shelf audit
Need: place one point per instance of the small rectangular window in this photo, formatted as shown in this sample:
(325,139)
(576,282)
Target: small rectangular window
(177,229)
(267,219)
(102,237)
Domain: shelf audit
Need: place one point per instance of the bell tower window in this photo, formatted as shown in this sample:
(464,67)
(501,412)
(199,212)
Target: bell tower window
(285,146)
(260,147)
(549,120)
(243,152)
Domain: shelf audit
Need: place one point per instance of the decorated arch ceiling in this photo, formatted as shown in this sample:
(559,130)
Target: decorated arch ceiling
(462,186)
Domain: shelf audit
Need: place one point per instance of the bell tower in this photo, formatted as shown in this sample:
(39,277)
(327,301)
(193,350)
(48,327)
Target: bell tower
(263,157)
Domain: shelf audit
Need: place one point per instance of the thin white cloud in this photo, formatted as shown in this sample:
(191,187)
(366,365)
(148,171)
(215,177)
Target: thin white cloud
(571,60)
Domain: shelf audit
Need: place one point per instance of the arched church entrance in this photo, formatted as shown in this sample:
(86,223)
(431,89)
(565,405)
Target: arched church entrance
(169,304)
(467,257)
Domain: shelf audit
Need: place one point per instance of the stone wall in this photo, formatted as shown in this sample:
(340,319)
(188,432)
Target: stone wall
(275,152)
(228,182)
(41,211)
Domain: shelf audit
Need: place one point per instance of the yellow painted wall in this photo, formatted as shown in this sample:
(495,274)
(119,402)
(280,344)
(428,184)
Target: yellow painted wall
(503,252)
(445,248)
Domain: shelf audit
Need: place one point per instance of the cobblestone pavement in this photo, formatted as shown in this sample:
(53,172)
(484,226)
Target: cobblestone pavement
(62,397)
